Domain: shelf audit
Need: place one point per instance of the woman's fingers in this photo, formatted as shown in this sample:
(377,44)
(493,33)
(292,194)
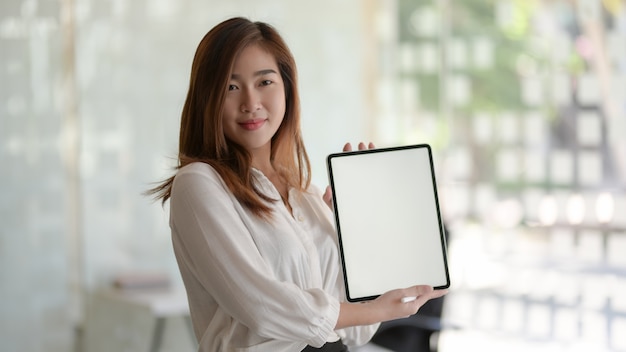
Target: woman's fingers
(417,296)
(328,197)
(405,302)
(414,297)
(361,146)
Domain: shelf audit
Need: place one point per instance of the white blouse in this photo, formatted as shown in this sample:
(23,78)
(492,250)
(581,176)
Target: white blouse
(255,285)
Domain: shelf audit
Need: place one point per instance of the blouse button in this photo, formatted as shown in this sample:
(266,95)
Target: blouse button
(300,218)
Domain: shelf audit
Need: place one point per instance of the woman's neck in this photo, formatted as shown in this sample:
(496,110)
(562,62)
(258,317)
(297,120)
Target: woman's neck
(276,179)
(261,160)
(266,168)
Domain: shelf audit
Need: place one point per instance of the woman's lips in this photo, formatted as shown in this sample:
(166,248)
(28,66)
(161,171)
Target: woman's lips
(252,125)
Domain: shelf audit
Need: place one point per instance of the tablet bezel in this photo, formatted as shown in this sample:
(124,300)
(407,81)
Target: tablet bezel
(442,237)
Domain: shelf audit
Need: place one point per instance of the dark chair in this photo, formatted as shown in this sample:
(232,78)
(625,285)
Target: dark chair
(412,334)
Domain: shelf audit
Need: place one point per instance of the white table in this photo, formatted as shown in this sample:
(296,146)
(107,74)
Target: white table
(123,317)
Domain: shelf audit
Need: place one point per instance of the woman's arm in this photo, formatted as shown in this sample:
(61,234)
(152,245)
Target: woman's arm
(219,256)
(388,306)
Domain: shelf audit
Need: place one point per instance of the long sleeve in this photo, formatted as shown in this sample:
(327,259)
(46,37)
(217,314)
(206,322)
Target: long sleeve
(321,224)
(244,276)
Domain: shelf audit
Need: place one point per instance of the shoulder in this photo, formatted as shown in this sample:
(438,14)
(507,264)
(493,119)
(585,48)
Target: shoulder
(194,175)
(196,168)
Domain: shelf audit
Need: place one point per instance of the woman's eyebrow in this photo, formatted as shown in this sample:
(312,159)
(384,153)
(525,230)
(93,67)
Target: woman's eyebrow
(255,74)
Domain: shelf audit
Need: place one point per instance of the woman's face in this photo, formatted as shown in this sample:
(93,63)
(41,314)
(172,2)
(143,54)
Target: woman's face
(255,102)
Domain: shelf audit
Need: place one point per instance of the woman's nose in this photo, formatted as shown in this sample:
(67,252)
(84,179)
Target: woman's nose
(250,102)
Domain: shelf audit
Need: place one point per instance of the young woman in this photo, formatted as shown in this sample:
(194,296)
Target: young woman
(254,241)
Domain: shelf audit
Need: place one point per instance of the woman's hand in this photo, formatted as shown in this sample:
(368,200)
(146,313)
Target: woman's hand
(328,195)
(402,303)
(388,306)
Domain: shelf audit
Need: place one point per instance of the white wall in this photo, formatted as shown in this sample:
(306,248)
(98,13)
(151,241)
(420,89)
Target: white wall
(131,68)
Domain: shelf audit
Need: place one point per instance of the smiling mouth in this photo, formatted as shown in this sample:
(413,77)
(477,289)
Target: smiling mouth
(252,125)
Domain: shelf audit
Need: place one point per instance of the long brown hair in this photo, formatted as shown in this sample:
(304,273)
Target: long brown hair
(202,136)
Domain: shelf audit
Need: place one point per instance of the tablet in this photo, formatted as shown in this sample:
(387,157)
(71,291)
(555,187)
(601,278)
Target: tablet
(388,220)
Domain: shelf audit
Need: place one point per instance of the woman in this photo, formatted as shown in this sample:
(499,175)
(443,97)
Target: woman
(254,241)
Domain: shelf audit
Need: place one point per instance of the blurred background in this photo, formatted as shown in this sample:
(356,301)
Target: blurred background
(523,101)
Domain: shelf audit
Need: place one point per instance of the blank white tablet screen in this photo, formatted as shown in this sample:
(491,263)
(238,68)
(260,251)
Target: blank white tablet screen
(388,220)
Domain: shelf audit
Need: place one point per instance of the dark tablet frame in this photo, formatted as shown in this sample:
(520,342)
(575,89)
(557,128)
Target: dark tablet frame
(338,212)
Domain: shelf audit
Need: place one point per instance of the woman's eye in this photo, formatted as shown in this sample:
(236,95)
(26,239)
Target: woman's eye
(266,82)
(232,87)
